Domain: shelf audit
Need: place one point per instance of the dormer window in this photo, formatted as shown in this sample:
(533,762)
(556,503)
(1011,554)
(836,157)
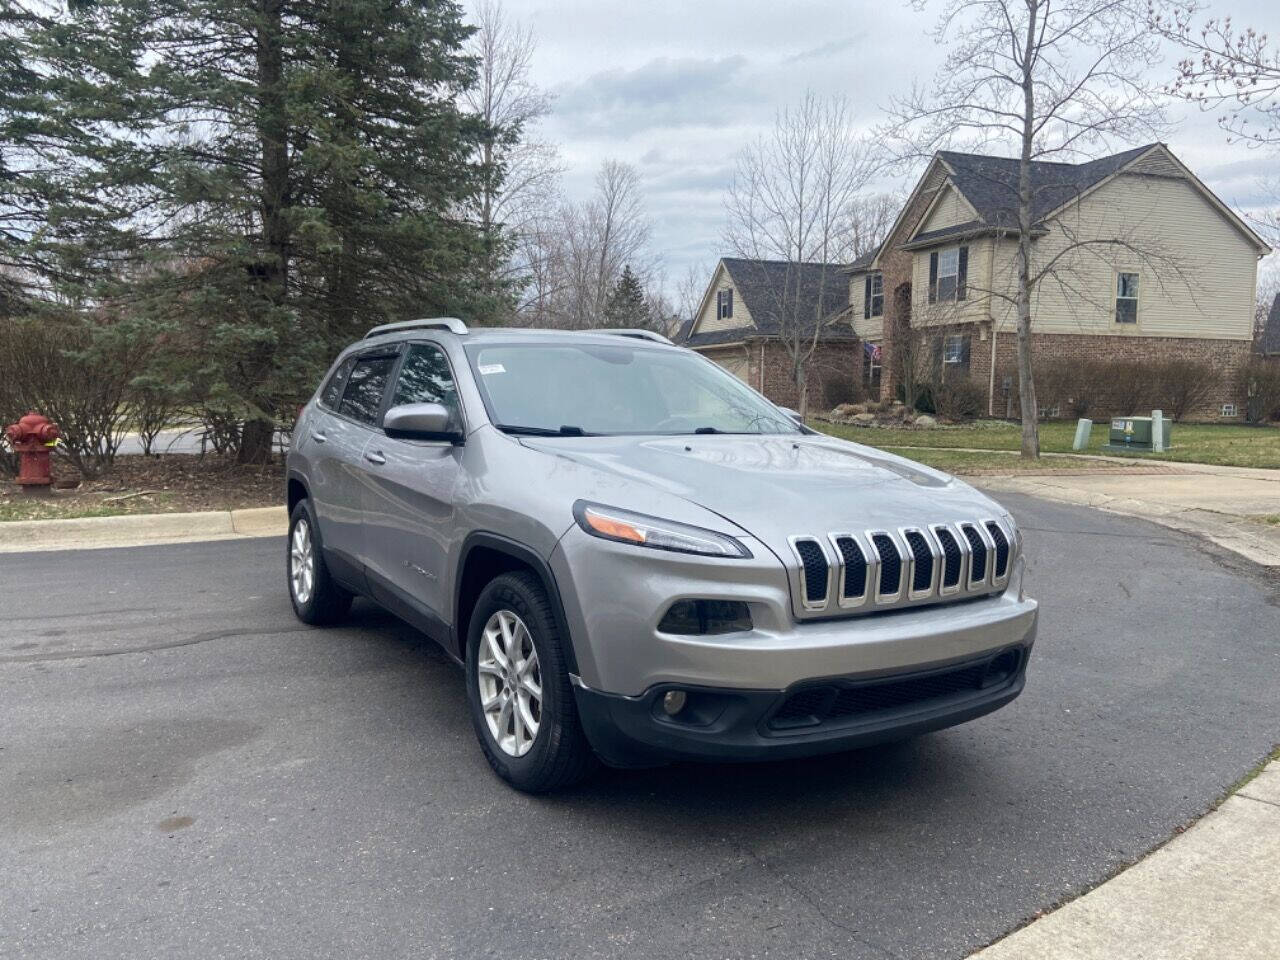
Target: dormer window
(873,296)
(724,303)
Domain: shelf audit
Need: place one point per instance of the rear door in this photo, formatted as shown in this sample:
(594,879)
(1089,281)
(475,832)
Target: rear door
(342,435)
(409,493)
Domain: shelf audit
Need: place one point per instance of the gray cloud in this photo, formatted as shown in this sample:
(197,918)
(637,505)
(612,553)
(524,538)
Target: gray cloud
(664,92)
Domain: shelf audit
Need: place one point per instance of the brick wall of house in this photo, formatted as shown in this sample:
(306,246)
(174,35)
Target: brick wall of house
(1225,356)
(836,369)
(896,266)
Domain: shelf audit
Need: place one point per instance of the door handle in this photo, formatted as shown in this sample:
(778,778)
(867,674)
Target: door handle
(375,456)
(318,437)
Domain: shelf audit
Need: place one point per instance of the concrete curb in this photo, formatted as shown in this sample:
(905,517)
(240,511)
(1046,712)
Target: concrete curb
(1213,891)
(144,529)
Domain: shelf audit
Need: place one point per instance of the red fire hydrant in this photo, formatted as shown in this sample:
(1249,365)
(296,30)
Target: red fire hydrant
(32,438)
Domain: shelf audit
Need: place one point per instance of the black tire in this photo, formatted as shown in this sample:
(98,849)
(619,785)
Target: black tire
(560,754)
(327,603)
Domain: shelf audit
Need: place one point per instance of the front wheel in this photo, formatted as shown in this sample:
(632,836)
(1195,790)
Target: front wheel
(522,705)
(316,598)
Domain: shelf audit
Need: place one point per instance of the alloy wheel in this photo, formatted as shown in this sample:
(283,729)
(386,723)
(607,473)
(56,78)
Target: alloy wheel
(302,562)
(510,683)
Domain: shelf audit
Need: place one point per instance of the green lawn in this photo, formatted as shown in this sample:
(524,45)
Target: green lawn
(1192,443)
(975,463)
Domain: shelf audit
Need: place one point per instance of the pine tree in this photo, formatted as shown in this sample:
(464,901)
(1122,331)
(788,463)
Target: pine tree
(627,306)
(279,176)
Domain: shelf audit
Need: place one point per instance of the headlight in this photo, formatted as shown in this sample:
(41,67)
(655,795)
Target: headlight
(623,526)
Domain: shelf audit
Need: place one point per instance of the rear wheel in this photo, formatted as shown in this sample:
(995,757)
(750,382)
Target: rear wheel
(522,705)
(317,599)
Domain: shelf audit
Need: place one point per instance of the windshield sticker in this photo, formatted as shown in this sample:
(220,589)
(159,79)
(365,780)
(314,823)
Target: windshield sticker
(488,368)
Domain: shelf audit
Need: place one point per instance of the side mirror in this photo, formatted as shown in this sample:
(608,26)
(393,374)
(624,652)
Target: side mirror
(421,421)
(793,414)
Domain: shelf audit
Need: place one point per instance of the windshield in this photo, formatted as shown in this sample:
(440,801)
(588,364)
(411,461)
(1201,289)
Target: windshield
(595,389)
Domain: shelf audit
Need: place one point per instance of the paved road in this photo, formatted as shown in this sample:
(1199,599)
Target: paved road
(185,772)
(176,440)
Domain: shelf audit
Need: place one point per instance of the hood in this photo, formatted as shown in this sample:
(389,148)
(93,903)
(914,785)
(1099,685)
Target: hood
(774,487)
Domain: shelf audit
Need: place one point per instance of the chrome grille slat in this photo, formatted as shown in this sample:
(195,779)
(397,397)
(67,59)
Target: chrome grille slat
(844,572)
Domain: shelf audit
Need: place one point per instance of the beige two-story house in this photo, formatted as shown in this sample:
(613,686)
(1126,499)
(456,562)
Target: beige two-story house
(1135,259)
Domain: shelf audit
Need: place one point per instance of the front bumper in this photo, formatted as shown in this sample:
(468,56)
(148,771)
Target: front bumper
(614,596)
(819,716)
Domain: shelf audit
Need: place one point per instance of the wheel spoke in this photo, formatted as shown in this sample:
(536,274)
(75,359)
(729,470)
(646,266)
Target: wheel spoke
(525,715)
(491,638)
(509,683)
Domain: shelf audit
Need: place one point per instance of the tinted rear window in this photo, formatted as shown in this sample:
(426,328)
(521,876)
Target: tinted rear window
(362,400)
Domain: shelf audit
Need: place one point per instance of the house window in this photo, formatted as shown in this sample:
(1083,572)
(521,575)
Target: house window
(1126,298)
(873,302)
(872,358)
(948,271)
(955,352)
(724,303)
(1229,410)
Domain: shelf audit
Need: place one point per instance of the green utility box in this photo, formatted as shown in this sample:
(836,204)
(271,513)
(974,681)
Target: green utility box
(1134,433)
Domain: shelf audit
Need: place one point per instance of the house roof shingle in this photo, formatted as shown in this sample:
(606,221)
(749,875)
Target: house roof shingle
(764,285)
(990,184)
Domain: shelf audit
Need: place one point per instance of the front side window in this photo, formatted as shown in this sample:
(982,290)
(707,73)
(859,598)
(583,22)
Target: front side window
(597,389)
(362,399)
(425,377)
(1126,298)
(724,304)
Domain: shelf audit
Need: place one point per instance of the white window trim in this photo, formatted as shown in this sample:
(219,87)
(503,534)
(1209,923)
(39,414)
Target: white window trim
(958,339)
(724,303)
(955,276)
(877,279)
(1116,298)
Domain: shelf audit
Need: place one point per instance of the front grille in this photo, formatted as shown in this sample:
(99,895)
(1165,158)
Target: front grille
(855,568)
(815,571)
(880,569)
(922,557)
(1002,547)
(890,563)
(978,550)
(953,559)
(845,701)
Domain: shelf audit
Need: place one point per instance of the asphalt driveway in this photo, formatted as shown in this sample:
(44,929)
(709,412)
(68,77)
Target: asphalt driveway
(186,771)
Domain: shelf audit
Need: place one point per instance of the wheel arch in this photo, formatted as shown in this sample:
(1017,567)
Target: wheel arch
(295,492)
(487,555)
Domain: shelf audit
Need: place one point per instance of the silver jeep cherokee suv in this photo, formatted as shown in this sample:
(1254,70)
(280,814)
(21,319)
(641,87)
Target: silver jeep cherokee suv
(638,558)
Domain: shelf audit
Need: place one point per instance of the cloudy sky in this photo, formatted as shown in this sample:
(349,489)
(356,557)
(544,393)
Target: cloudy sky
(677,89)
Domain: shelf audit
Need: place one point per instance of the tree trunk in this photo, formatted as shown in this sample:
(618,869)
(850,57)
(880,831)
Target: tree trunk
(256,439)
(1026,381)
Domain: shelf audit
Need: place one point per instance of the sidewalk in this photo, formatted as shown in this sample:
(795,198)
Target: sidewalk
(1208,501)
(1212,892)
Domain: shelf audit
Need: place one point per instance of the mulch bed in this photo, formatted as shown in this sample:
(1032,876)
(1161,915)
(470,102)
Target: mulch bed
(170,482)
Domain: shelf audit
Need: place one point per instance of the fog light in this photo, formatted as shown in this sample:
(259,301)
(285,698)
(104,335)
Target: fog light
(694,617)
(673,702)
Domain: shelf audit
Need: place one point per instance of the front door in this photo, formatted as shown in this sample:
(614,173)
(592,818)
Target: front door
(339,439)
(409,494)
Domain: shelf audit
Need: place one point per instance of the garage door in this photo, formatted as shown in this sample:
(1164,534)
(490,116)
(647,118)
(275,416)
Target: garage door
(735,361)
